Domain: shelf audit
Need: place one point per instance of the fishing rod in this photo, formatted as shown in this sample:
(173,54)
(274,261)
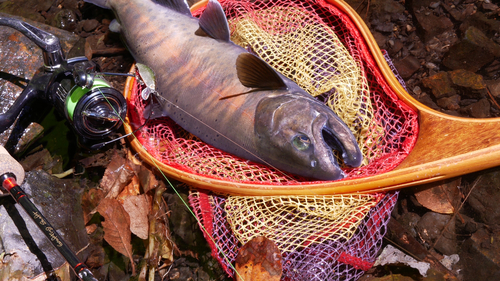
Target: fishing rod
(11,172)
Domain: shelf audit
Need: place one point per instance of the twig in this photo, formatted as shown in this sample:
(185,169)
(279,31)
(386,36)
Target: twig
(492,98)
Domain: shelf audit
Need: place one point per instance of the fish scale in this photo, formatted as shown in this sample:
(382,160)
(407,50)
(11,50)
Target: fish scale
(227,97)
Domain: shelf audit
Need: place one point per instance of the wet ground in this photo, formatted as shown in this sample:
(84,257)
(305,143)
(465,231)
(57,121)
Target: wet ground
(434,46)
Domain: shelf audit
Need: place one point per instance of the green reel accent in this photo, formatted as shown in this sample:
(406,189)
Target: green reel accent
(78,92)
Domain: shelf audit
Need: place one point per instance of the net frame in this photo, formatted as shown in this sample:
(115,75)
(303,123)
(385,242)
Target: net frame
(389,157)
(353,248)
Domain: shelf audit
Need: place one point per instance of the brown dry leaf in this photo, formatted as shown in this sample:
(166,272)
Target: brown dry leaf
(99,159)
(138,206)
(440,197)
(147,179)
(259,260)
(133,188)
(116,226)
(90,200)
(91,228)
(117,175)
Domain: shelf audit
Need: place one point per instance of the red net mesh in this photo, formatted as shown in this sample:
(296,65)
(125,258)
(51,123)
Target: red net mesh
(340,251)
(330,259)
(170,144)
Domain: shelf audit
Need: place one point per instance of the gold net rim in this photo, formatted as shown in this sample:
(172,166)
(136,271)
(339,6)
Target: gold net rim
(413,171)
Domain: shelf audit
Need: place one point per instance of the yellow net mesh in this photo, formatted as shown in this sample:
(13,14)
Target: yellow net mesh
(297,221)
(303,48)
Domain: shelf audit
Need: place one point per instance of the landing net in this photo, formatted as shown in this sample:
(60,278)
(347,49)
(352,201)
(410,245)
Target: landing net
(319,48)
(321,237)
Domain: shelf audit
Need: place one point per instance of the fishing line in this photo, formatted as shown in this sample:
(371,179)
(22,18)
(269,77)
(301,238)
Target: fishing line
(182,61)
(213,129)
(178,194)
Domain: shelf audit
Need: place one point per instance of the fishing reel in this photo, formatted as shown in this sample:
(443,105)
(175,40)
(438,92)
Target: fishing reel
(75,87)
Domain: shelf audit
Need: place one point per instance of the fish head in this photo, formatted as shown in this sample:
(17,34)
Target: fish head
(298,134)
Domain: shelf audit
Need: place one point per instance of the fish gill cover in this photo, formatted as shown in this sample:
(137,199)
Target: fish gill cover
(319,48)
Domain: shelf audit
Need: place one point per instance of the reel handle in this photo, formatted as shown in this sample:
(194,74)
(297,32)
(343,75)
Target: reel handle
(52,51)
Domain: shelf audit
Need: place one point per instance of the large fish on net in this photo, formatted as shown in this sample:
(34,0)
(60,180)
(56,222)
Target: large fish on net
(228,97)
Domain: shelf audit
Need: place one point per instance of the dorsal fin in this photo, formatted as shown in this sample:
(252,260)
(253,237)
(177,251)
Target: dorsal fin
(213,22)
(180,6)
(255,73)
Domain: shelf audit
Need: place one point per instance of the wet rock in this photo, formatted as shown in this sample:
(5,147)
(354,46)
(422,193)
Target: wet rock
(430,25)
(65,19)
(484,198)
(416,4)
(494,87)
(409,221)
(480,256)
(480,21)
(480,109)
(386,6)
(490,6)
(89,25)
(383,26)
(380,39)
(430,229)
(17,8)
(440,84)
(473,52)
(427,100)
(450,103)
(396,46)
(492,70)
(467,225)
(467,79)
(407,66)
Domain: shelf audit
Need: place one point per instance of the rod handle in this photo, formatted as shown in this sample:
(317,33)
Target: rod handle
(9,165)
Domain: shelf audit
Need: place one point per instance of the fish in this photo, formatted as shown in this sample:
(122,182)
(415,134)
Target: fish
(227,96)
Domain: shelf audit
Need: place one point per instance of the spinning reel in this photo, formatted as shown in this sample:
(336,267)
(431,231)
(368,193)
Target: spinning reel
(73,86)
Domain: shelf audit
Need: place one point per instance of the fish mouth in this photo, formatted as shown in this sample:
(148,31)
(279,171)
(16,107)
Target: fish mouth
(349,151)
(333,135)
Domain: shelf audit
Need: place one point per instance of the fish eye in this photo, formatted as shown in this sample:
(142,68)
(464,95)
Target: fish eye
(301,142)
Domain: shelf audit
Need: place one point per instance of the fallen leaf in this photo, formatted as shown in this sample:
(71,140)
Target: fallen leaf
(90,201)
(259,260)
(137,206)
(91,228)
(147,179)
(133,188)
(99,159)
(116,226)
(117,175)
(440,197)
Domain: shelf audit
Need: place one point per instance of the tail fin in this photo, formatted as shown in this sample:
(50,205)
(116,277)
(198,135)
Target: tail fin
(100,3)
